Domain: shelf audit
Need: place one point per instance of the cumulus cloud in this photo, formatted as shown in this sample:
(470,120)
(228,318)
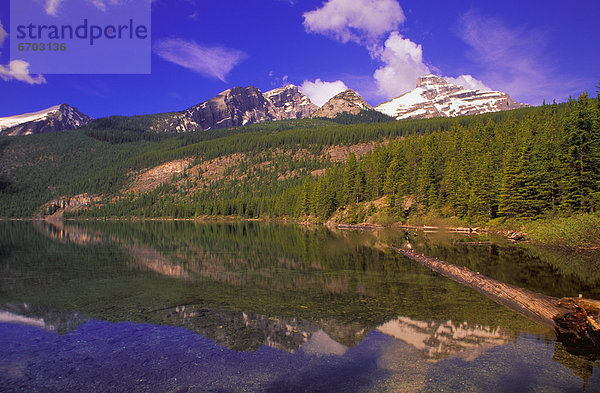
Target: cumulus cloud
(320,92)
(403,64)
(52,7)
(512,59)
(362,21)
(367,22)
(374,24)
(19,70)
(212,62)
(468,82)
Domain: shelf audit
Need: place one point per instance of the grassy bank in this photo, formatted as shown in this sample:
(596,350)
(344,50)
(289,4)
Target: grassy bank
(580,231)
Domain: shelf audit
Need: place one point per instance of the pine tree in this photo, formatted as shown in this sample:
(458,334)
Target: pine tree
(349,179)
(581,156)
(428,181)
(509,204)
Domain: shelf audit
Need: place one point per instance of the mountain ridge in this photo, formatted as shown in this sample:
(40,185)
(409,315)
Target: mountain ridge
(239,106)
(433,96)
(347,101)
(54,119)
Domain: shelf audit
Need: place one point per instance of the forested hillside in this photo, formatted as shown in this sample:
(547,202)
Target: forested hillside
(548,161)
(524,163)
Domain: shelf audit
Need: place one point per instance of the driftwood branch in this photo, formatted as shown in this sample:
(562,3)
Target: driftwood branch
(574,320)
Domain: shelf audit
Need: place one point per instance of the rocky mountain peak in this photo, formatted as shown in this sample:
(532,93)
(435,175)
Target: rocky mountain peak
(436,97)
(347,101)
(281,90)
(241,106)
(290,103)
(431,80)
(233,107)
(351,96)
(57,118)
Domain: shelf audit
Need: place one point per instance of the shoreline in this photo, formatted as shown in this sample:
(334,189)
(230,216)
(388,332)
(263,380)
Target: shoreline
(513,235)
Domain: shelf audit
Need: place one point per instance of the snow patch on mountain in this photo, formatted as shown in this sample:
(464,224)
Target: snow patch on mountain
(57,118)
(436,97)
(240,106)
(11,121)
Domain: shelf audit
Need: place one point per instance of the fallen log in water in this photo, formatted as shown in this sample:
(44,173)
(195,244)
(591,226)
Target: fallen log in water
(363,226)
(575,320)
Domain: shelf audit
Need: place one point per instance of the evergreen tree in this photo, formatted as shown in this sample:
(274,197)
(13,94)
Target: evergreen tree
(349,180)
(581,156)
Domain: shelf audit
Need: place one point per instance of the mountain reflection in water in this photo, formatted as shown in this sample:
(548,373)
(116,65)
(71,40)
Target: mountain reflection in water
(101,357)
(265,307)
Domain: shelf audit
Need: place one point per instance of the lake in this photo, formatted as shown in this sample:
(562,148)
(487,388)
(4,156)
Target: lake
(256,307)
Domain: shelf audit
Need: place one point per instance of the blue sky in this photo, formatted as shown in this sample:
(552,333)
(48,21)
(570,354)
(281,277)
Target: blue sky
(533,50)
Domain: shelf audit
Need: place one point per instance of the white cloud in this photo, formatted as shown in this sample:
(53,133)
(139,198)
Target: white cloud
(19,70)
(3,35)
(100,4)
(320,92)
(52,7)
(276,80)
(103,5)
(214,62)
(403,64)
(512,60)
(468,82)
(362,21)
(367,22)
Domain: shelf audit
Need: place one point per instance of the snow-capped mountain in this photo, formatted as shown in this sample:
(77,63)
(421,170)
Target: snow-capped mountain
(440,340)
(436,97)
(345,102)
(240,106)
(57,118)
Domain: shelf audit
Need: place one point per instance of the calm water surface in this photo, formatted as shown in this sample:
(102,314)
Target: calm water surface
(250,307)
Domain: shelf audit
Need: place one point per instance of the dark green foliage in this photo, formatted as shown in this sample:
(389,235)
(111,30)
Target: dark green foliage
(368,116)
(124,123)
(125,136)
(581,156)
(522,163)
(518,167)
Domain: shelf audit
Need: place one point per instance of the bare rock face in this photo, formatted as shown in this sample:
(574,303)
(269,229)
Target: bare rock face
(290,103)
(436,97)
(57,118)
(234,107)
(347,101)
(240,106)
